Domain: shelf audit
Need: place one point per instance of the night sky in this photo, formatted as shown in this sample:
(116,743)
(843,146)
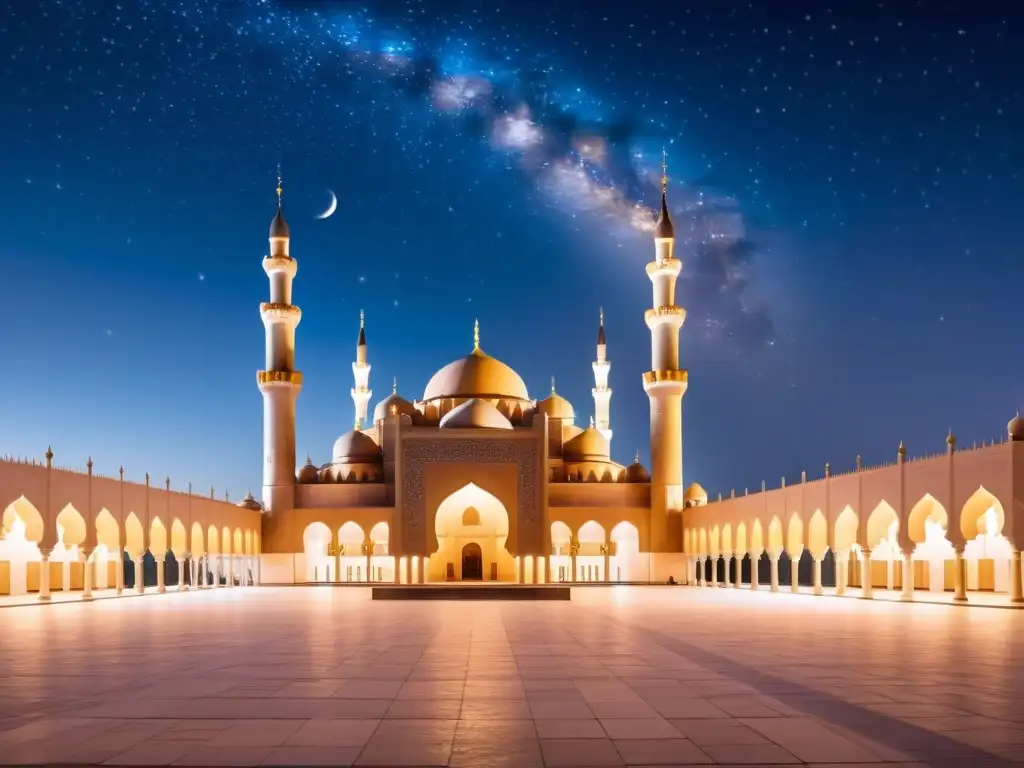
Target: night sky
(848,179)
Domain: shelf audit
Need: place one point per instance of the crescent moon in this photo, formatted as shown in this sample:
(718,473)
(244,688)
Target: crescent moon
(330,208)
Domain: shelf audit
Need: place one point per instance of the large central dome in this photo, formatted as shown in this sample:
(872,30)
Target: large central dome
(476,375)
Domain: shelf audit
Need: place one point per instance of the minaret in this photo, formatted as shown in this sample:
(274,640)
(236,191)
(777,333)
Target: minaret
(602,395)
(361,393)
(280,382)
(666,382)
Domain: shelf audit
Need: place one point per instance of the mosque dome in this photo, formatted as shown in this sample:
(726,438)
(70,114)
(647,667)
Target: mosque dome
(476,375)
(1015,428)
(475,414)
(556,407)
(308,473)
(695,496)
(355,448)
(250,503)
(636,473)
(396,401)
(588,445)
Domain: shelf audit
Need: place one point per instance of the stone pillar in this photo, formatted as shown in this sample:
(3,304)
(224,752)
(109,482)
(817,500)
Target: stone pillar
(755,561)
(726,565)
(87,575)
(737,581)
(865,574)
(842,571)
(908,578)
(572,565)
(44,575)
(215,580)
(774,557)
(960,577)
(1016,594)
(794,574)
(817,574)
(140,579)
(230,571)
(607,562)
(369,562)
(161,587)
(119,572)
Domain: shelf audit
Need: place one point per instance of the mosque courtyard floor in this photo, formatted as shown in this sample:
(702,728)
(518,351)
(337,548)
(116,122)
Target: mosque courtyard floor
(620,676)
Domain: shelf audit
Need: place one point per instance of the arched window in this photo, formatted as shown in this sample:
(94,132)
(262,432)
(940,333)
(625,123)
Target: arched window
(471,516)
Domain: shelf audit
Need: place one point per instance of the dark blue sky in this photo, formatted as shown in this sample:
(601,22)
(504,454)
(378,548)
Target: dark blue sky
(859,168)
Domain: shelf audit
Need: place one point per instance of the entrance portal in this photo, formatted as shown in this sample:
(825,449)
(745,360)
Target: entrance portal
(472,562)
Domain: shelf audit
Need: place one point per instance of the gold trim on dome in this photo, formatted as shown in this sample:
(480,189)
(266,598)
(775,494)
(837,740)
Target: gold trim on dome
(279,377)
(653,377)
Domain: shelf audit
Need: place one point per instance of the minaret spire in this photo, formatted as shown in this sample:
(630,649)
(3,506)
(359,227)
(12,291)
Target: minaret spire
(361,393)
(476,338)
(602,394)
(279,382)
(666,382)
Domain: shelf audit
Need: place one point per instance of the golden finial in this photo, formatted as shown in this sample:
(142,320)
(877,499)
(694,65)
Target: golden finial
(476,335)
(394,386)
(636,458)
(664,171)
(362,319)
(280,185)
(600,313)
(591,422)
(902,450)
(552,385)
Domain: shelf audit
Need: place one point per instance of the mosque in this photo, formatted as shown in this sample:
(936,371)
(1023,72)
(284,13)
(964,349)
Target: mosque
(475,480)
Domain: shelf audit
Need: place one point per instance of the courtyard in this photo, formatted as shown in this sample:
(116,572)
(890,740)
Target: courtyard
(620,676)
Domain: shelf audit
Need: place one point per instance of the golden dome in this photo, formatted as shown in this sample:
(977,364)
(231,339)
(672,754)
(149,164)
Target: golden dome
(476,375)
(396,401)
(636,472)
(556,407)
(588,445)
(355,447)
(308,473)
(475,414)
(695,496)
(1015,428)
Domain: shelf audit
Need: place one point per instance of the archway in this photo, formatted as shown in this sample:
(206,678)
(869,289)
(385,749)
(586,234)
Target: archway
(926,527)
(590,557)
(23,529)
(987,551)
(315,541)
(382,564)
(107,556)
(351,559)
(561,551)
(881,536)
(71,533)
(627,562)
(472,562)
(488,528)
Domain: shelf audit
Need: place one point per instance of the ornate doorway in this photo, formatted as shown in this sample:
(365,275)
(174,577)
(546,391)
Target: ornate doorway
(472,562)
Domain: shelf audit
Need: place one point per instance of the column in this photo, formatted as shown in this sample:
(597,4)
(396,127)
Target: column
(161,587)
(230,571)
(817,573)
(216,572)
(522,569)
(865,573)
(537,564)
(842,571)
(794,573)
(140,580)
(774,558)
(726,565)
(737,582)
(755,561)
(44,575)
(607,561)
(572,562)
(960,577)
(908,578)
(87,576)
(119,572)
(368,549)
(1016,595)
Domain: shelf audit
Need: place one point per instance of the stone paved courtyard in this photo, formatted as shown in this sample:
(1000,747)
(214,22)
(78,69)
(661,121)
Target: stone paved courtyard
(620,676)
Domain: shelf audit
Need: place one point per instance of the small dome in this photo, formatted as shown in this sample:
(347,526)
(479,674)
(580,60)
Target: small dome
(308,473)
(1015,427)
(250,503)
(636,473)
(695,496)
(475,414)
(396,401)
(664,229)
(588,445)
(355,447)
(279,227)
(556,407)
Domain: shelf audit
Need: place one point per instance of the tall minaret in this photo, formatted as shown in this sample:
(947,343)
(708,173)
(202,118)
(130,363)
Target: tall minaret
(361,393)
(602,395)
(666,382)
(280,382)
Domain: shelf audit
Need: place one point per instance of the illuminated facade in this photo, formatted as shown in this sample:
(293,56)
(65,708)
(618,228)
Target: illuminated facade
(475,480)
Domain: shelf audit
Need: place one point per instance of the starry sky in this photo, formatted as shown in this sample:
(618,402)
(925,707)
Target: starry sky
(845,180)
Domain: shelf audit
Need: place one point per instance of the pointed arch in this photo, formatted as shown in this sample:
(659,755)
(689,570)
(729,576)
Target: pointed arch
(157,538)
(352,537)
(134,536)
(845,534)
(561,538)
(741,539)
(981,514)
(71,528)
(756,537)
(795,535)
(212,541)
(726,539)
(817,534)
(23,519)
(776,542)
(702,539)
(925,514)
(882,525)
(380,535)
(714,540)
(179,539)
(225,541)
(108,533)
(236,542)
(196,545)
(591,532)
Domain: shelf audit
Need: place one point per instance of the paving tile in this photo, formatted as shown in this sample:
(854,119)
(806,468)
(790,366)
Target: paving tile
(661,752)
(751,754)
(570,753)
(333,733)
(300,756)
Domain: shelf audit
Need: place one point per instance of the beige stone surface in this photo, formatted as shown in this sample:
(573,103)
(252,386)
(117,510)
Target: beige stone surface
(622,676)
